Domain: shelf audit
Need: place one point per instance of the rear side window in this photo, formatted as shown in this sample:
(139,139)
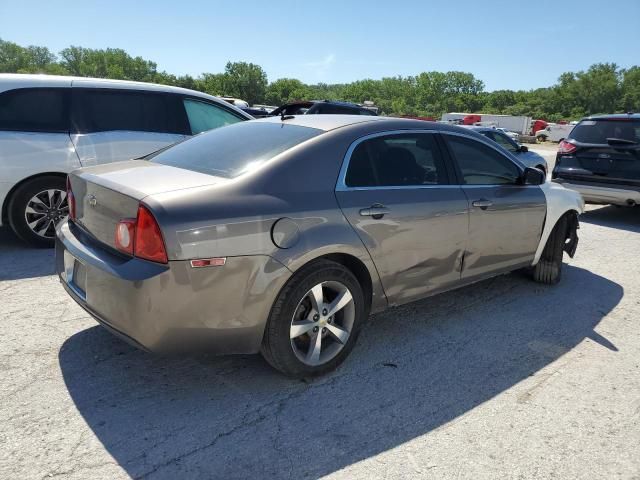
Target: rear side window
(35,110)
(104,110)
(480,164)
(598,131)
(205,116)
(396,160)
(236,149)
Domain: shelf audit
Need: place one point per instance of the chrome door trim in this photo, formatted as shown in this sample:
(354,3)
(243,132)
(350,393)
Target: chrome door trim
(341,185)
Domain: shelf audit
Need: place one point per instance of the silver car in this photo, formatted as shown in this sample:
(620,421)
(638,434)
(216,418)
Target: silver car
(282,235)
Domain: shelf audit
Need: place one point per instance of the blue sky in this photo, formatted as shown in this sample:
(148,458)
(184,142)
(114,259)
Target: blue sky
(507,44)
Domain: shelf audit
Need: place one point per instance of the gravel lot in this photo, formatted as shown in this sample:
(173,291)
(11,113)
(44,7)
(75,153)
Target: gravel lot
(505,378)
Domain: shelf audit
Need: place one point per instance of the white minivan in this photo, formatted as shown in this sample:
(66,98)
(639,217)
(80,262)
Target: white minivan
(50,125)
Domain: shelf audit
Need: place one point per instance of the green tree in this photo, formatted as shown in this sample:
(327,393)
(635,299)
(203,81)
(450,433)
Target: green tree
(108,63)
(630,90)
(285,90)
(247,81)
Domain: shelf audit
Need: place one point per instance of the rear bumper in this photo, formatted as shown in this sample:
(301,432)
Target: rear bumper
(614,195)
(174,307)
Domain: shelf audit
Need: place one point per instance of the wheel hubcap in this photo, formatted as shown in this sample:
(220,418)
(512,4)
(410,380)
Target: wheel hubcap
(45,210)
(322,323)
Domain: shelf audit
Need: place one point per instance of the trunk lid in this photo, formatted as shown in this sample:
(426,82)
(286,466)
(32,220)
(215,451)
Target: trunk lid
(109,193)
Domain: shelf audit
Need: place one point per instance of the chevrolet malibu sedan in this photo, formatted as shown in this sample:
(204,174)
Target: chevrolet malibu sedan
(282,235)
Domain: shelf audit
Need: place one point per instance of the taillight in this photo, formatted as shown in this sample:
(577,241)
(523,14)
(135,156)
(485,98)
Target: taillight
(71,201)
(125,235)
(148,243)
(566,147)
(141,237)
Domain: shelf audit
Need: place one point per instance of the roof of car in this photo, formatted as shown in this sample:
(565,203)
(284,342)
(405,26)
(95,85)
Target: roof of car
(615,116)
(331,122)
(10,81)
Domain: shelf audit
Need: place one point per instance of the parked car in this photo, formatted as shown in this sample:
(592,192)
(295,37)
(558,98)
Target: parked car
(50,125)
(601,159)
(521,152)
(322,107)
(512,135)
(227,244)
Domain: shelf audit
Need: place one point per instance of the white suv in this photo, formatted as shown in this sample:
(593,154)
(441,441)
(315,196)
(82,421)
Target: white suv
(50,125)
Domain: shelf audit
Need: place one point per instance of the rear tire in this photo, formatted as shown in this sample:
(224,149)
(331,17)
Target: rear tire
(291,352)
(548,270)
(36,207)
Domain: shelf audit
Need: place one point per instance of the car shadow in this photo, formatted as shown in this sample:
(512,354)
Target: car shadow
(19,260)
(416,368)
(623,218)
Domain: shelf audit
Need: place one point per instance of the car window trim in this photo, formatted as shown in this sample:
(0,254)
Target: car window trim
(485,141)
(341,185)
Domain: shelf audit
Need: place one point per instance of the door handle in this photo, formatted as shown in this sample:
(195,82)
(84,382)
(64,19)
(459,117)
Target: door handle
(483,203)
(376,211)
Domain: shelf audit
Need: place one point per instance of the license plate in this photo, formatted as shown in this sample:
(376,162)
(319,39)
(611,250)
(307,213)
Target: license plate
(75,274)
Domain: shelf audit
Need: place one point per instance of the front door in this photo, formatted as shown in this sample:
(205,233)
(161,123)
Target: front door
(505,217)
(397,193)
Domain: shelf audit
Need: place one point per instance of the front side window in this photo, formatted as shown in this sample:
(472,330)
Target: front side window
(104,110)
(205,116)
(502,140)
(34,110)
(481,164)
(411,159)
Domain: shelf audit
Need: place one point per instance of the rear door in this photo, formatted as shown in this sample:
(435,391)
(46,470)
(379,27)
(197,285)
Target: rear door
(397,192)
(505,217)
(111,125)
(609,149)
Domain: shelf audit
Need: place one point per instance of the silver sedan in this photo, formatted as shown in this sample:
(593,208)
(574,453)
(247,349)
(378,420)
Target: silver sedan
(282,235)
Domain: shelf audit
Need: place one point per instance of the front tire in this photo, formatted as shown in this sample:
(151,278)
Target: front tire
(548,270)
(315,321)
(35,209)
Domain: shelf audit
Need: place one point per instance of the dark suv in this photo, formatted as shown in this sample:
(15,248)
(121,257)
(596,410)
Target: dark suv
(601,159)
(322,107)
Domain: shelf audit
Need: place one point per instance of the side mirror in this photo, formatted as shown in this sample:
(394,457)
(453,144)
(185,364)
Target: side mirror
(523,149)
(533,176)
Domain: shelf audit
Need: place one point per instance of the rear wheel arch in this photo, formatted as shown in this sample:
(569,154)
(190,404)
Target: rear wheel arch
(18,185)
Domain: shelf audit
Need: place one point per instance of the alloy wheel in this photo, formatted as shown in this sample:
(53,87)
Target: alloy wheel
(45,210)
(322,323)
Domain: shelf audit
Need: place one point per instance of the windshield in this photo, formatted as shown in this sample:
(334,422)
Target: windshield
(234,150)
(598,131)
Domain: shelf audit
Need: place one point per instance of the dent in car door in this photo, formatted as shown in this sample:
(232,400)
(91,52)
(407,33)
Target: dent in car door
(112,125)
(505,219)
(415,234)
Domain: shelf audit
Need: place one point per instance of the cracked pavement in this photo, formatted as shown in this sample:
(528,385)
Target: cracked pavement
(505,378)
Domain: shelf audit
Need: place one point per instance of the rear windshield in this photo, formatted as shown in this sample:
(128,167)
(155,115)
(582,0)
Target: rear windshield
(598,131)
(235,149)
